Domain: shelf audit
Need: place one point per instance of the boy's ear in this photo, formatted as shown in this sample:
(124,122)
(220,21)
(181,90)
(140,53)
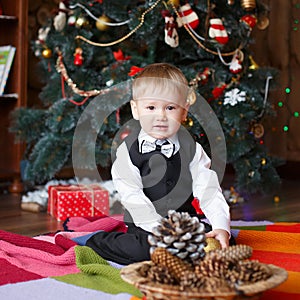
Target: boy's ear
(134,109)
(185,112)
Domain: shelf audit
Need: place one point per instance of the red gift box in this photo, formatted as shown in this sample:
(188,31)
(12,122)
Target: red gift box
(77,201)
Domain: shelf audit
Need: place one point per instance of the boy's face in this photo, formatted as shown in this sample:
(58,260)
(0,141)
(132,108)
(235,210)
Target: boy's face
(160,118)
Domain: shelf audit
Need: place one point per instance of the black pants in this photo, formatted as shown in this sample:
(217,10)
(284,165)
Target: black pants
(125,248)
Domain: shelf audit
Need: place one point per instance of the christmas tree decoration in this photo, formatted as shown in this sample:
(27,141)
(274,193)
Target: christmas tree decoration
(276,199)
(263,22)
(43,33)
(40,43)
(217,31)
(248,4)
(250,20)
(171,35)
(101,23)
(187,16)
(119,55)
(219,90)
(257,130)
(81,22)
(78,58)
(253,65)
(230,2)
(181,235)
(142,20)
(59,21)
(71,20)
(134,70)
(201,77)
(234,97)
(136,37)
(47,53)
(235,66)
(176,3)
(61,69)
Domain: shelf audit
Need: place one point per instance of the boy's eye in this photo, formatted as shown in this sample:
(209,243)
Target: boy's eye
(170,107)
(150,107)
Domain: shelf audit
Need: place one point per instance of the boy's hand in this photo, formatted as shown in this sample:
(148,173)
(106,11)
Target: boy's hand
(221,235)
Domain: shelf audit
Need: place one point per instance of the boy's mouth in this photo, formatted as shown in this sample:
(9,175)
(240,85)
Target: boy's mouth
(160,127)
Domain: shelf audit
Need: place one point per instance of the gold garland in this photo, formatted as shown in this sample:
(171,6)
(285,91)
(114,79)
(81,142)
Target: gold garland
(141,24)
(124,37)
(60,67)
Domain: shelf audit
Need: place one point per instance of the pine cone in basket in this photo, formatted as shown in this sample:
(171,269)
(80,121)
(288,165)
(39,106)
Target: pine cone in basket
(181,234)
(247,272)
(156,273)
(218,262)
(189,281)
(176,266)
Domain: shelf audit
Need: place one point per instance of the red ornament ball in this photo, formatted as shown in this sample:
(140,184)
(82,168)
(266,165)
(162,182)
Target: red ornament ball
(250,20)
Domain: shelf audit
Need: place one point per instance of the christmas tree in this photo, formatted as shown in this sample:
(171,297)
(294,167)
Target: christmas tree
(90,46)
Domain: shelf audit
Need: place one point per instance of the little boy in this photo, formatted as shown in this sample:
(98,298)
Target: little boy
(160,167)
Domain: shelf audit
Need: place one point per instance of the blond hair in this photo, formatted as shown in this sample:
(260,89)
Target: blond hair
(157,78)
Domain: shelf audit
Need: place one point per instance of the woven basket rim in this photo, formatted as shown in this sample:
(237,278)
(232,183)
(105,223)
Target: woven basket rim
(131,275)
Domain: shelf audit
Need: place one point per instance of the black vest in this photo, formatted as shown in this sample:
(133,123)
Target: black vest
(167,182)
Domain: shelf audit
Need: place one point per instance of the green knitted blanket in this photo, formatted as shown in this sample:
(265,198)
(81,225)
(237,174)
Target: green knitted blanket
(96,273)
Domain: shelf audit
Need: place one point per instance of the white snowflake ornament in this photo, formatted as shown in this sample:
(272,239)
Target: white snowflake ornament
(234,96)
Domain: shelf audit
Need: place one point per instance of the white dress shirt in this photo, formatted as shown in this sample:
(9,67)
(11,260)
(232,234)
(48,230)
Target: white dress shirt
(127,181)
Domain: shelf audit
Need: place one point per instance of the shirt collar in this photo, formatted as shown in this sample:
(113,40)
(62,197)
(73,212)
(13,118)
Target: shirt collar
(143,136)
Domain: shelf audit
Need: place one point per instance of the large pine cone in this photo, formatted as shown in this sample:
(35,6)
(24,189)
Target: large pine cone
(247,272)
(157,273)
(175,266)
(181,234)
(217,263)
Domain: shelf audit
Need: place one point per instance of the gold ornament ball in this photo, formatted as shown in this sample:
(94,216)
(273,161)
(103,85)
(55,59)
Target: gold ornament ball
(47,53)
(81,22)
(212,244)
(276,199)
(248,4)
(263,22)
(176,3)
(100,24)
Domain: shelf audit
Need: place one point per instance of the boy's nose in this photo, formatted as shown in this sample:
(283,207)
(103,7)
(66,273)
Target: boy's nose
(161,114)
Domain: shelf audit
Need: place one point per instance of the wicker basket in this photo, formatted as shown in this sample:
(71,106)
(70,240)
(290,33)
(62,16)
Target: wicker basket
(157,291)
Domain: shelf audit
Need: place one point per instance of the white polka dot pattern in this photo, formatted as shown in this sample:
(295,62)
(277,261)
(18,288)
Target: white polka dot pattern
(77,200)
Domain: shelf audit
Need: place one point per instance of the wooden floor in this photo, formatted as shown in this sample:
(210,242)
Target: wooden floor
(257,207)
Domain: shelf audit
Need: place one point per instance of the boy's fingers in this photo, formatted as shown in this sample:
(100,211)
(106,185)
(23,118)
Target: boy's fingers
(210,234)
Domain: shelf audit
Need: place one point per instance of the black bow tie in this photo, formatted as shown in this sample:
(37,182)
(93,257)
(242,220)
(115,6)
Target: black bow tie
(167,149)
